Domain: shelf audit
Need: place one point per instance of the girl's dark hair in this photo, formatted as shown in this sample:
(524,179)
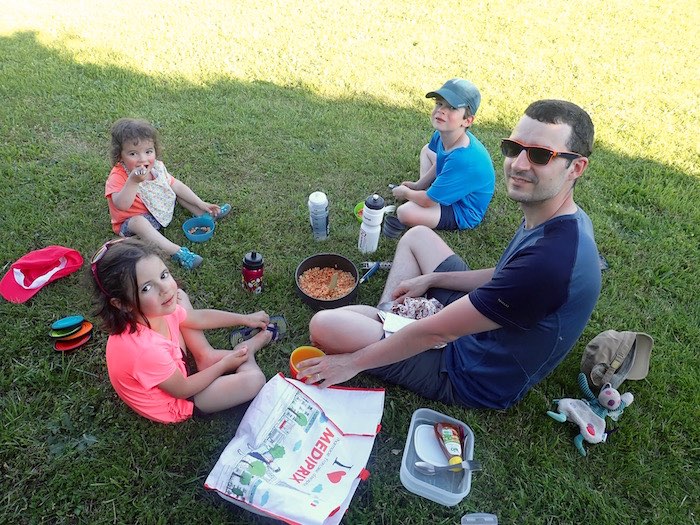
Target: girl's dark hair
(114,277)
(132,130)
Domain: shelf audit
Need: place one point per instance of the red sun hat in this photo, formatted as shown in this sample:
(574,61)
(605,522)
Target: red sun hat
(31,272)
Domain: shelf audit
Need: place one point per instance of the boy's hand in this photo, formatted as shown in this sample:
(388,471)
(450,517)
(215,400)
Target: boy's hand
(410,184)
(401,192)
(257,320)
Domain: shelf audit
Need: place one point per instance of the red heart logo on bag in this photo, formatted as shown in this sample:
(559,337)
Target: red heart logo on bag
(336,476)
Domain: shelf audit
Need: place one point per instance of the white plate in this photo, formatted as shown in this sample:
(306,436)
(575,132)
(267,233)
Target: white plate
(428,447)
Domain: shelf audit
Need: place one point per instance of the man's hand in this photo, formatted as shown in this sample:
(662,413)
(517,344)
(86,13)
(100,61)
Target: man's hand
(414,287)
(328,370)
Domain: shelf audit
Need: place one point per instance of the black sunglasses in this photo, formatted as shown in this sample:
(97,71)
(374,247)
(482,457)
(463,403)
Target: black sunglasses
(535,154)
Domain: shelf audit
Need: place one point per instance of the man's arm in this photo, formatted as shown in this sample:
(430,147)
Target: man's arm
(452,322)
(458,319)
(463,281)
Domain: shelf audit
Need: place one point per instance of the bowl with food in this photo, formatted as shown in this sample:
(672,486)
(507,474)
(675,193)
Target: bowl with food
(199,229)
(326,280)
(358,210)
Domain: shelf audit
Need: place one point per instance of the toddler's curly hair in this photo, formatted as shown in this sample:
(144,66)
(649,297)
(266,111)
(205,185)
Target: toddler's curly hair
(132,130)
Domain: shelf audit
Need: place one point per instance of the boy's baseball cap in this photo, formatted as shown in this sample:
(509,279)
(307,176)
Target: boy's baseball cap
(459,93)
(31,272)
(611,357)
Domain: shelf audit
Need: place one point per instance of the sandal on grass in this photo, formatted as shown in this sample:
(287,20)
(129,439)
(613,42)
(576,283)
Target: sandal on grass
(277,325)
(224,210)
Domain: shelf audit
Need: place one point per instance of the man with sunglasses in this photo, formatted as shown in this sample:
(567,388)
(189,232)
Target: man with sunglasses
(506,327)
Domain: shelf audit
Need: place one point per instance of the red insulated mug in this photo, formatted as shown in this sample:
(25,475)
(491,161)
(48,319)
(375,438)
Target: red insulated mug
(252,272)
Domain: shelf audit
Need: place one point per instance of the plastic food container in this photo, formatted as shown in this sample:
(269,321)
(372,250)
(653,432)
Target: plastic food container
(199,229)
(447,488)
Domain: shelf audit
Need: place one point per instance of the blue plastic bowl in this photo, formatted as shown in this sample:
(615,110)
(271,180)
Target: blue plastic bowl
(199,229)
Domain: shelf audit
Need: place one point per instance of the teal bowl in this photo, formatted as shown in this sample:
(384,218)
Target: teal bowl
(199,229)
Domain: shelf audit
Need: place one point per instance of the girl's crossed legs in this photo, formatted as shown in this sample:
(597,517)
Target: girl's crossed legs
(229,390)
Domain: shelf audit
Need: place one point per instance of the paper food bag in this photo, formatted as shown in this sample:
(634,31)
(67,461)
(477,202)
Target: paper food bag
(300,451)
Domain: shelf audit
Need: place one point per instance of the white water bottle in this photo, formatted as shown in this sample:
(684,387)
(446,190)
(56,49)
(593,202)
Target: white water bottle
(371,226)
(318,215)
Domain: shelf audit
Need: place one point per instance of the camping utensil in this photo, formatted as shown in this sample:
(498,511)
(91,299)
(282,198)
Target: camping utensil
(430,470)
(370,272)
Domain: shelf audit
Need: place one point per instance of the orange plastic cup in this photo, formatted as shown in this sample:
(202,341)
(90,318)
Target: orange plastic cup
(300,354)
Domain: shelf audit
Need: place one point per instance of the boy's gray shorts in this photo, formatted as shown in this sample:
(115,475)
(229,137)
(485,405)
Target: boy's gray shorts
(425,373)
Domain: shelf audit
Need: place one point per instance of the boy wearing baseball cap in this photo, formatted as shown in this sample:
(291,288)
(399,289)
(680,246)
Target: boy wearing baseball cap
(457,177)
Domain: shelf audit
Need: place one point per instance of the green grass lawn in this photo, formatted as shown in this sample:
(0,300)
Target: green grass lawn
(259,104)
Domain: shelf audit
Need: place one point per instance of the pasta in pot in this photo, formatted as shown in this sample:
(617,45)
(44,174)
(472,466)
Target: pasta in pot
(326,283)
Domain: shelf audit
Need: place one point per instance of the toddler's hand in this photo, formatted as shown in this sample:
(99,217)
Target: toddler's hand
(212,209)
(258,320)
(138,175)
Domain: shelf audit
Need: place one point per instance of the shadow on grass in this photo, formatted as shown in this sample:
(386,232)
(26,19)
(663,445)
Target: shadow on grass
(72,452)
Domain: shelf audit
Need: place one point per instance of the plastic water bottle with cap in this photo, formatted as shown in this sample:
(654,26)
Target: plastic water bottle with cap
(318,215)
(371,226)
(252,272)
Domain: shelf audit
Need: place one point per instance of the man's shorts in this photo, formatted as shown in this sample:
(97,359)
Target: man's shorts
(124,230)
(425,373)
(447,219)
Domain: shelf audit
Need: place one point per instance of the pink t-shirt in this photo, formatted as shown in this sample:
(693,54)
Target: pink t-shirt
(137,363)
(115,182)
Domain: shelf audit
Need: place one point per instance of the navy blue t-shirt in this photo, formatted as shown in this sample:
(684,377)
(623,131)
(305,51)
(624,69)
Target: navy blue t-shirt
(542,293)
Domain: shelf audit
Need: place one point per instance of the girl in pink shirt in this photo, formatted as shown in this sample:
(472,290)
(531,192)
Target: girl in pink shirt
(152,324)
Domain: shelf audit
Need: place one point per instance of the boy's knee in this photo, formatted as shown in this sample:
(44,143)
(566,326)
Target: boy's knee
(402,214)
(427,153)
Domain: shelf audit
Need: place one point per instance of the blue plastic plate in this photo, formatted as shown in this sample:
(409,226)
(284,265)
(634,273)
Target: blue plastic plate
(67,322)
